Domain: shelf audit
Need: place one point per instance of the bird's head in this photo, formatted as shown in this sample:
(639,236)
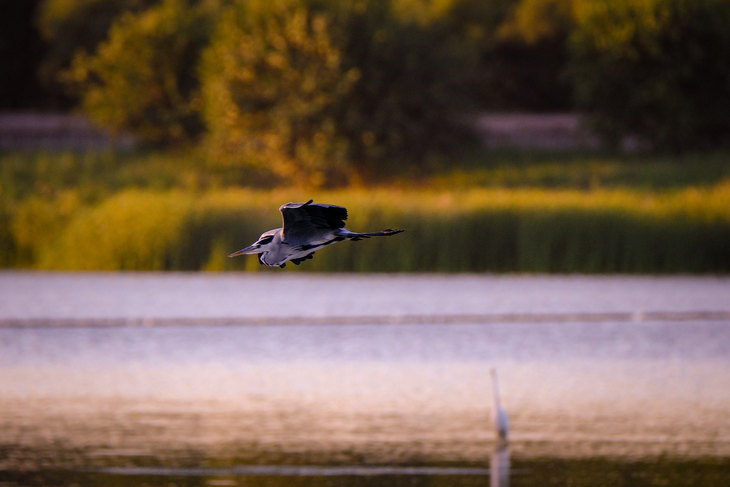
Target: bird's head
(263,244)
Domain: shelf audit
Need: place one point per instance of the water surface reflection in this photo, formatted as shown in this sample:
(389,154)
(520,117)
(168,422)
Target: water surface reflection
(598,402)
(499,466)
(394,390)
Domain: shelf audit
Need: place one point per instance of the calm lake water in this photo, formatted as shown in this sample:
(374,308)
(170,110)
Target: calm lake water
(283,379)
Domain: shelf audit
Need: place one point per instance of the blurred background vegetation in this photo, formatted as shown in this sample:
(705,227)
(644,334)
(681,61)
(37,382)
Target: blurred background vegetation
(241,105)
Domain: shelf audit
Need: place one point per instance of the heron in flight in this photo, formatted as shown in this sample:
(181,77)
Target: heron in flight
(307,228)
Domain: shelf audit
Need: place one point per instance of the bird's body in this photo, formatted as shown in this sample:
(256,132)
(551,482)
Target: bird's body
(499,415)
(306,228)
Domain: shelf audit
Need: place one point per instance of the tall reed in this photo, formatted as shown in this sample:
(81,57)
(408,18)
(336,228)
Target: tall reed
(475,230)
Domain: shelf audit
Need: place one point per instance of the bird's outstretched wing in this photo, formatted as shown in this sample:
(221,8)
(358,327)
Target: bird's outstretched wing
(304,220)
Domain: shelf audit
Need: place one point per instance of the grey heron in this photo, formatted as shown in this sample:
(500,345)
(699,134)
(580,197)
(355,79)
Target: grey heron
(499,415)
(307,227)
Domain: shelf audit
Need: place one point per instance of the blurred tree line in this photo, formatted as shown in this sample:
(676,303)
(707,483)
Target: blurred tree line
(312,89)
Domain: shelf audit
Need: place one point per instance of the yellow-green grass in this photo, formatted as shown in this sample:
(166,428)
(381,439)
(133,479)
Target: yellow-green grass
(96,175)
(473,230)
(498,211)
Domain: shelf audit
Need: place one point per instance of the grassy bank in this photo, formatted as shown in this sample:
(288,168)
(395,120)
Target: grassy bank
(548,214)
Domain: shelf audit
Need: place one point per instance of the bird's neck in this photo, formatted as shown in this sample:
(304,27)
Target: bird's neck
(495,388)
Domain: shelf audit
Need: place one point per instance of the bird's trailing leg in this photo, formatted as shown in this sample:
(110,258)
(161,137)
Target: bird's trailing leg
(359,236)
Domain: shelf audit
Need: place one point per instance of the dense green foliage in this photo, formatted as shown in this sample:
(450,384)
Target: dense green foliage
(70,27)
(410,96)
(501,213)
(312,95)
(656,69)
(310,90)
(523,56)
(340,89)
(273,82)
(143,78)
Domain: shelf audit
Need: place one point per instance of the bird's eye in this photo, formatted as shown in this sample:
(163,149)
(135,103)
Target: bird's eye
(266,239)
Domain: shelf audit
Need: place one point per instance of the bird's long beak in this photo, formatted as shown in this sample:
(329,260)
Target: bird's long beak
(251,249)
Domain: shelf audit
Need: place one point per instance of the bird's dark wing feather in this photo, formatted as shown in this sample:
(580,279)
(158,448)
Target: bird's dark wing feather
(301,219)
(302,259)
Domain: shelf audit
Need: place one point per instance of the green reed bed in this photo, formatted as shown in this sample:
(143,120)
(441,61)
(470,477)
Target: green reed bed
(474,230)
(501,212)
